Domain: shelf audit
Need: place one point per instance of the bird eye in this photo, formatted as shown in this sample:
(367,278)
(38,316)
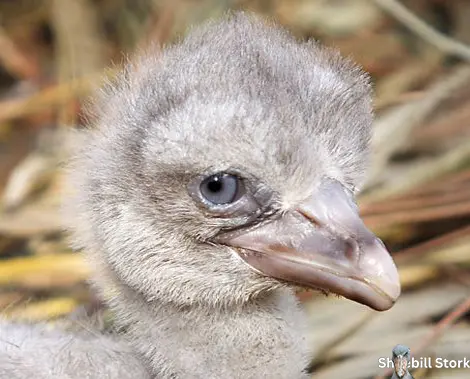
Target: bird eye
(220,189)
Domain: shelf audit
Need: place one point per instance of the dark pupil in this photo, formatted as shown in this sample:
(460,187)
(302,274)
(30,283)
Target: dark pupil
(215,185)
(220,188)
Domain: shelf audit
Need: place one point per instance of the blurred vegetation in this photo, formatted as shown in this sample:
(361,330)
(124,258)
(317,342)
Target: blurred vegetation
(53,54)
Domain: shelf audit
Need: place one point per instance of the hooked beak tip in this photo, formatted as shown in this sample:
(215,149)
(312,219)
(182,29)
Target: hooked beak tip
(379,269)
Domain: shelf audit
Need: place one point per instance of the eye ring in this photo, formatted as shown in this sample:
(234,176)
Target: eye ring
(244,203)
(222,189)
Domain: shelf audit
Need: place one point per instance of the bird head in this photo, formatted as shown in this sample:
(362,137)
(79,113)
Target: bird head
(401,356)
(226,166)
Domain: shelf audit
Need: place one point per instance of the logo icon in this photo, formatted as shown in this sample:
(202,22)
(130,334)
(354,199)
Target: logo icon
(401,356)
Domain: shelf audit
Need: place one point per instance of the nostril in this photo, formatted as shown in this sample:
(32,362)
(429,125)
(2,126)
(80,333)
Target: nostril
(351,250)
(309,217)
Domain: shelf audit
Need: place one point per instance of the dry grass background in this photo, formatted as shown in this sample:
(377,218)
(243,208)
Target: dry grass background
(53,53)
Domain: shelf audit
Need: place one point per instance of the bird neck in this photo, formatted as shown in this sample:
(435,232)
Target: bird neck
(406,376)
(255,340)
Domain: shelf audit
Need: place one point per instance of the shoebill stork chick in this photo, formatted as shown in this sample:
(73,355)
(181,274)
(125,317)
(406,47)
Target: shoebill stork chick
(219,176)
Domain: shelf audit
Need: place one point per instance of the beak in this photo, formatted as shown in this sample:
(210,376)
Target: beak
(400,364)
(322,244)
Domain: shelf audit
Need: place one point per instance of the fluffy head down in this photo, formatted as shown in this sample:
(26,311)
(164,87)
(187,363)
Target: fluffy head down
(236,94)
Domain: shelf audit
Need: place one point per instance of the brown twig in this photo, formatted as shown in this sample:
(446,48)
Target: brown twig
(443,325)
(437,185)
(419,215)
(418,251)
(14,60)
(426,32)
(49,98)
(80,50)
(454,122)
(159,28)
(417,202)
(423,171)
